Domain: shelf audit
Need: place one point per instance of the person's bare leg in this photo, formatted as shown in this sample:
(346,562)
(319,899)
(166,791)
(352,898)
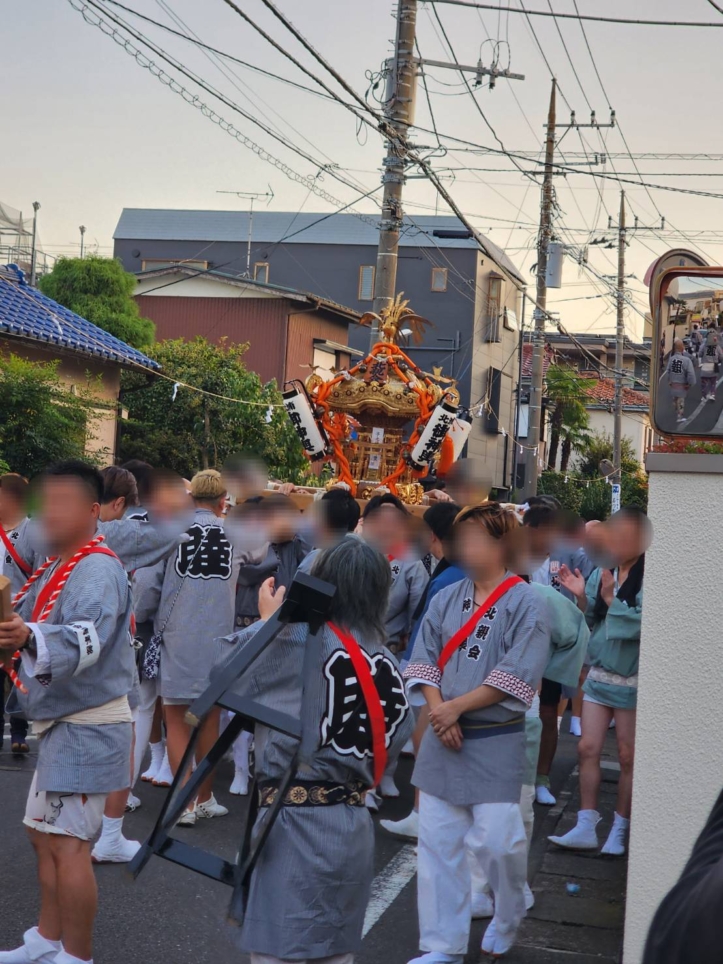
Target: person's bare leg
(625,733)
(49,924)
(115,805)
(210,729)
(77,894)
(595,723)
(548,740)
(157,726)
(577,698)
(178,733)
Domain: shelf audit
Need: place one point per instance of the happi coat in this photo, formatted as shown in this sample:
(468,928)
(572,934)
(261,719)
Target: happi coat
(614,649)
(311,885)
(195,593)
(8,567)
(84,660)
(508,649)
(409,580)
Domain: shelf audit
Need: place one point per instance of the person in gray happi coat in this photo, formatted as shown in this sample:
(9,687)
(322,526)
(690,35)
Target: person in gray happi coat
(681,377)
(310,888)
(72,630)
(471,762)
(196,606)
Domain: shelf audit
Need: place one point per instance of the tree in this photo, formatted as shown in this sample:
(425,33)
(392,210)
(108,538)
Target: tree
(42,421)
(185,430)
(100,290)
(570,420)
(600,446)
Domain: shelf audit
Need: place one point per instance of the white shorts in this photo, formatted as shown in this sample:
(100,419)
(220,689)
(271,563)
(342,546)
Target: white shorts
(70,814)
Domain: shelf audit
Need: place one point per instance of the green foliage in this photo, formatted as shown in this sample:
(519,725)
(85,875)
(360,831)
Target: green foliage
(197,431)
(41,420)
(592,498)
(4,467)
(100,290)
(570,421)
(600,446)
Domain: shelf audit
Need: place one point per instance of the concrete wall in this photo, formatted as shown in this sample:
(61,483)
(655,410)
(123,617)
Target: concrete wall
(84,372)
(679,764)
(332,271)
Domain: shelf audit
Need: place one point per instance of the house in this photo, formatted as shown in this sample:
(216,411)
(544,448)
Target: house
(287,331)
(457,279)
(39,329)
(599,405)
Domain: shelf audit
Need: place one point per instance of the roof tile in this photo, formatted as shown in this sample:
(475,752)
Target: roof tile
(26,313)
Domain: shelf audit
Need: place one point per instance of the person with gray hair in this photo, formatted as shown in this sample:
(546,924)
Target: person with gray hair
(681,377)
(310,888)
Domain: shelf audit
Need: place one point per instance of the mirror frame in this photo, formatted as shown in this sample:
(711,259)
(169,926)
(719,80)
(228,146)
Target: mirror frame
(662,274)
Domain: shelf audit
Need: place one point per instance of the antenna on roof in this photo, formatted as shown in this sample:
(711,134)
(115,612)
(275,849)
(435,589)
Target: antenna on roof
(252,196)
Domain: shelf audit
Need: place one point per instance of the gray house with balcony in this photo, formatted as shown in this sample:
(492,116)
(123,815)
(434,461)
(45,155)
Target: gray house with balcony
(460,282)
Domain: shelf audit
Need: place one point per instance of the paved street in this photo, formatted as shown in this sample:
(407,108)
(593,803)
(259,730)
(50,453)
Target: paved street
(701,417)
(170,914)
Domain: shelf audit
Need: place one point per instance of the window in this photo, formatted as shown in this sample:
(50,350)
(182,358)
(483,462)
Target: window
(261,272)
(439,279)
(492,313)
(152,263)
(325,363)
(366,282)
(510,319)
(492,402)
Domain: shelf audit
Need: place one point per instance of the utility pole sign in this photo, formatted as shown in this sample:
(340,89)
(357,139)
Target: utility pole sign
(615,500)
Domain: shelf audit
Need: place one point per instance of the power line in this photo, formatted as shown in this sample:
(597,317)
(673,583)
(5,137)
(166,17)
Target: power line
(584,16)
(169,81)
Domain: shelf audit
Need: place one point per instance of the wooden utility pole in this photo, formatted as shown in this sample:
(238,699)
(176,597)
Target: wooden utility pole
(400,114)
(533,453)
(619,348)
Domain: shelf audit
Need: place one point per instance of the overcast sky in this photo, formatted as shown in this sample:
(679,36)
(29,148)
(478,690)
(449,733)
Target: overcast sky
(87,131)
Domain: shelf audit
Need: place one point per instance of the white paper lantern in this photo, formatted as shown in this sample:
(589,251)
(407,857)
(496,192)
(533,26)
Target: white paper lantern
(433,435)
(299,411)
(460,431)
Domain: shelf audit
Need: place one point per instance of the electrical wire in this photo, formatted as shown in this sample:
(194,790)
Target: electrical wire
(572,16)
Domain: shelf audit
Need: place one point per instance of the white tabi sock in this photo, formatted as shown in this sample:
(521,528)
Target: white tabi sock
(65,958)
(111,833)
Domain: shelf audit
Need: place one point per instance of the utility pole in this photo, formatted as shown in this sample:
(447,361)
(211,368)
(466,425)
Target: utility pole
(34,250)
(82,240)
(540,314)
(619,346)
(400,114)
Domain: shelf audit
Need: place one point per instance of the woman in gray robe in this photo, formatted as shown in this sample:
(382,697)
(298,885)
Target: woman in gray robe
(310,887)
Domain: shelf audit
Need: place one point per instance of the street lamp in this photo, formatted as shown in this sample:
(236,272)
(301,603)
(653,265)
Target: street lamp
(33,253)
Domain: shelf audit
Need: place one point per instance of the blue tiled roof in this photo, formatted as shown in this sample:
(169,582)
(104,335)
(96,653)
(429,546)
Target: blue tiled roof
(26,313)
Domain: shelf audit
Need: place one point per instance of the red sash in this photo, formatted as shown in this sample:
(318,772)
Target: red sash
(12,551)
(58,579)
(459,637)
(371,698)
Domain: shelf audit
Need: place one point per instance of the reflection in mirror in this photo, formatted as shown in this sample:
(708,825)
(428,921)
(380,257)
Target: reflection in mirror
(690,390)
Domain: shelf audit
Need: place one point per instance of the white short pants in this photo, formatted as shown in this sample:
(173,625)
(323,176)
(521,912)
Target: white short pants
(70,814)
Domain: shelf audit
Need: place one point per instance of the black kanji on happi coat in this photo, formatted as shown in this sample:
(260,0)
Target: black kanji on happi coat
(207,554)
(345,725)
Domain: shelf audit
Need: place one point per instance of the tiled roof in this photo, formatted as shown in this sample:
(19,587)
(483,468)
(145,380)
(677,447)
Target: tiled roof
(602,392)
(527,360)
(26,313)
(272,227)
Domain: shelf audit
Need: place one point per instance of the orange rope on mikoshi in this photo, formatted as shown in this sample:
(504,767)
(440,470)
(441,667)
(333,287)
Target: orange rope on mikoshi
(336,430)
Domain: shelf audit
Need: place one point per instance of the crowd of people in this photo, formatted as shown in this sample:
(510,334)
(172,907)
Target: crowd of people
(460,638)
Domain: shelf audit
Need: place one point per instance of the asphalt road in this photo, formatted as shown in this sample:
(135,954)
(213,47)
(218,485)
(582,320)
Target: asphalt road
(172,915)
(701,417)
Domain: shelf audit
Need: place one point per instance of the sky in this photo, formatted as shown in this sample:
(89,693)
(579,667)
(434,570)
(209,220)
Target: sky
(87,131)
